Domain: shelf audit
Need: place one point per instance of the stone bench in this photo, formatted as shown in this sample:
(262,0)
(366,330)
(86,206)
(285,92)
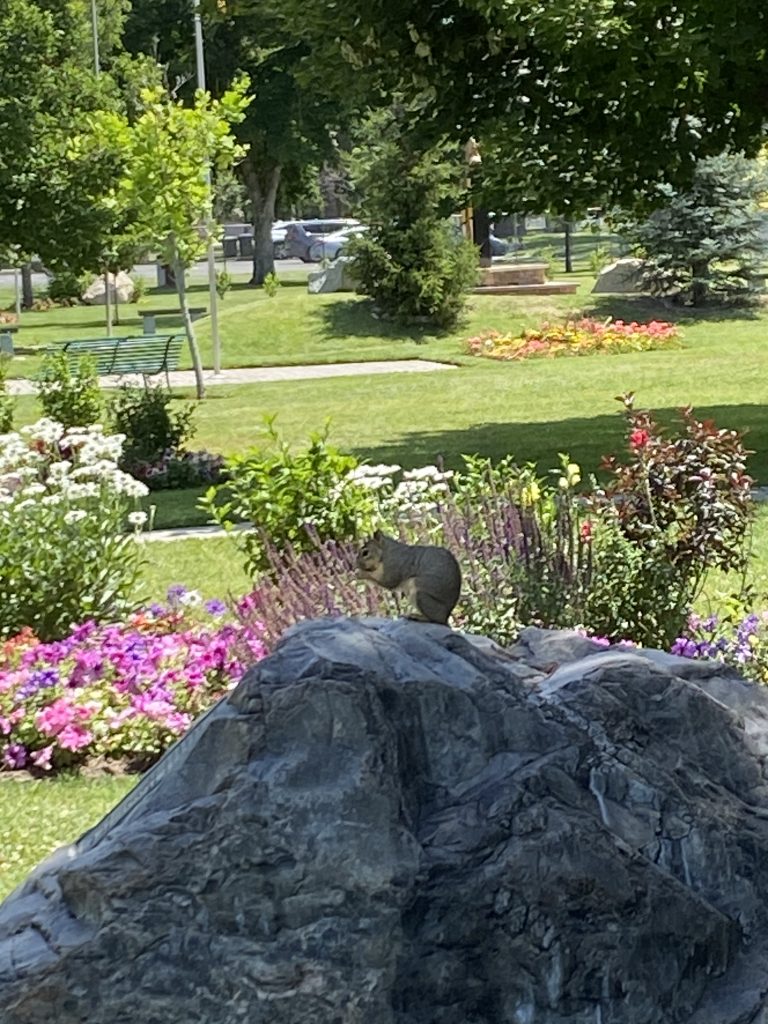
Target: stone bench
(149,316)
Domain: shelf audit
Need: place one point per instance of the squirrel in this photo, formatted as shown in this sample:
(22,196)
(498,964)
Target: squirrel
(428,575)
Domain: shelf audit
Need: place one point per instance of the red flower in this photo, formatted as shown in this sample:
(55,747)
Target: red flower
(639,439)
(586,531)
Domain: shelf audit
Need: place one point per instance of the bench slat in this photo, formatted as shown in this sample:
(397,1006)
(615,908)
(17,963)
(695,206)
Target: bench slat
(145,354)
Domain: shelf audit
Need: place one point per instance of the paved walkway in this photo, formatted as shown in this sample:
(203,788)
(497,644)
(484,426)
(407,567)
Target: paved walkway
(267,374)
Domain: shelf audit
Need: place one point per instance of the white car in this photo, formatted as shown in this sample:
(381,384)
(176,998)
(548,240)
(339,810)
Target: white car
(278,238)
(330,246)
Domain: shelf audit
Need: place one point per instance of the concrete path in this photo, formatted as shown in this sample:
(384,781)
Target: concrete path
(268,374)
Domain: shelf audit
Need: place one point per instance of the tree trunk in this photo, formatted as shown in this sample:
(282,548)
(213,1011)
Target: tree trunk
(568,258)
(261,183)
(700,283)
(178,271)
(27,294)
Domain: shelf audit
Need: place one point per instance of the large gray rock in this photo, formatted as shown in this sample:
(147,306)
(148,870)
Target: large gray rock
(389,823)
(336,277)
(624,275)
(121,289)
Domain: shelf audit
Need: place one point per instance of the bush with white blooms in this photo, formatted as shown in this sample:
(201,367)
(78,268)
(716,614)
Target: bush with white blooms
(67,513)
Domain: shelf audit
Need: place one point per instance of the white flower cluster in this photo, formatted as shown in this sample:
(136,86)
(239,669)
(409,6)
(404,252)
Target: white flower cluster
(46,465)
(420,490)
(375,478)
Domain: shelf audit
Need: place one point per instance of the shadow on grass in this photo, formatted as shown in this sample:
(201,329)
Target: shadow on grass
(354,318)
(644,308)
(585,440)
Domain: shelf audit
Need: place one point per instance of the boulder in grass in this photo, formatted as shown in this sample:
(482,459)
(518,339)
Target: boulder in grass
(387,822)
(121,289)
(624,275)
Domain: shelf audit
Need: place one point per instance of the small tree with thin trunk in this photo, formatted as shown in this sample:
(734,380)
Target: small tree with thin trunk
(164,155)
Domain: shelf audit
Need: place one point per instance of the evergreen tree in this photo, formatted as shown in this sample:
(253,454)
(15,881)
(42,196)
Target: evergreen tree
(706,243)
(412,262)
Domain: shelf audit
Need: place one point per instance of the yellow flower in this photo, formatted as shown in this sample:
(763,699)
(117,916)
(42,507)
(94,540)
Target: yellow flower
(530,493)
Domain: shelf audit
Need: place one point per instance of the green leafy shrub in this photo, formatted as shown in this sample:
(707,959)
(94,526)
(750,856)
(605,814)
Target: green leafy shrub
(69,395)
(271,284)
(223,283)
(139,288)
(64,506)
(298,498)
(600,257)
(410,262)
(7,402)
(66,288)
(151,427)
(677,507)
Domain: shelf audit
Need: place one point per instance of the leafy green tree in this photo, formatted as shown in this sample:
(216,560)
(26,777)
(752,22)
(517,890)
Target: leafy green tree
(48,86)
(707,242)
(570,99)
(289,127)
(161,186)
(412,262)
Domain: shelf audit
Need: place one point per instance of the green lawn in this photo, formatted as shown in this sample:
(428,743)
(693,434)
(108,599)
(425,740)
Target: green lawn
(39,816)
(534,409)
(211,565)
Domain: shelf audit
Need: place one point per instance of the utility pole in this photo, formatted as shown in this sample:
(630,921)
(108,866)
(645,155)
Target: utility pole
(212,293)
(97,72)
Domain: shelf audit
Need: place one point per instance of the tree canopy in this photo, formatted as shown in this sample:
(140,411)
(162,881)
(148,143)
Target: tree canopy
(47,87)
(288,127)
(572,100)
(160,191)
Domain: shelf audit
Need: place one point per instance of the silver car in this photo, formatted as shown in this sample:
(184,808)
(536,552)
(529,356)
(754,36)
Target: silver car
(301,235)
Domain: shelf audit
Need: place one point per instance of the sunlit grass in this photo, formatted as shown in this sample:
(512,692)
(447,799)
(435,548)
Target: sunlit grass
(38,816)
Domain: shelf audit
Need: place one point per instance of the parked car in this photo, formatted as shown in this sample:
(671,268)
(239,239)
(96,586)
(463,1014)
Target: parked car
(301,234)
(330,246)
(278,239)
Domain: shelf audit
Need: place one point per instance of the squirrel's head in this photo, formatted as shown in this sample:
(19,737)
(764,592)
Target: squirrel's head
(370,556)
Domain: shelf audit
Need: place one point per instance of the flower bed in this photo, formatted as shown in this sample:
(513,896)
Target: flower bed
(575,338)
(121,692)
(177,469)
(740,641)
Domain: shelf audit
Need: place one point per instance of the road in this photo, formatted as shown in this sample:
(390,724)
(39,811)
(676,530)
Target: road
(198,272)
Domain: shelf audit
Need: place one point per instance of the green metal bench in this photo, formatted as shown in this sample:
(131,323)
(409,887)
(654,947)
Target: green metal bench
(145,354)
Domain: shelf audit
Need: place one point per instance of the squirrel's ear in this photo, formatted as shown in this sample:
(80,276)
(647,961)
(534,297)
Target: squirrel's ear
(377,534)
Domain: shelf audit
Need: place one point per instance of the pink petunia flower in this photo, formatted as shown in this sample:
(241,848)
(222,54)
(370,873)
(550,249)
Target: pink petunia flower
(57,716)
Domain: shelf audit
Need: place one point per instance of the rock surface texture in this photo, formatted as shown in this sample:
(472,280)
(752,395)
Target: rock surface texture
(390,823)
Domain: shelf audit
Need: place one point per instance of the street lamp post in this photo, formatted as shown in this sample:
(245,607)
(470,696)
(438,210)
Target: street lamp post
(213,294)
(97,71)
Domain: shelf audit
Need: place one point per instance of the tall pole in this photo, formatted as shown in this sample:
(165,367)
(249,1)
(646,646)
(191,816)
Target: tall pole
(97,71)
(212,293)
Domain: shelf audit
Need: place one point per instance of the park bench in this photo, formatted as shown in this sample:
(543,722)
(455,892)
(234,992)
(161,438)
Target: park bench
(149,316)
(6,341)
(144,354)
